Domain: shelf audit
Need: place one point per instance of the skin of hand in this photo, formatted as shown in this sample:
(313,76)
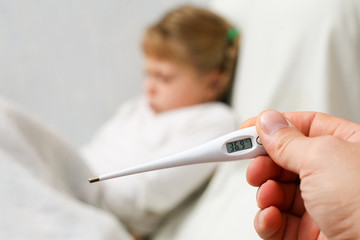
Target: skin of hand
(309,185)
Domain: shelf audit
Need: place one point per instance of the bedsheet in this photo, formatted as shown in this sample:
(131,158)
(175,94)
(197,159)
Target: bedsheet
(44,188)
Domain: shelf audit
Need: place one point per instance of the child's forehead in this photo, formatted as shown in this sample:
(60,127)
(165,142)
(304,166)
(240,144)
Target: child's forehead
(166,47)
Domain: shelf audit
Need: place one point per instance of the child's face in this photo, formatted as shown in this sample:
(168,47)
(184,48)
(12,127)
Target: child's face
(169,85)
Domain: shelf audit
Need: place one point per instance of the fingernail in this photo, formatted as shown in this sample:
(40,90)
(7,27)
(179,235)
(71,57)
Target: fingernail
(272,121)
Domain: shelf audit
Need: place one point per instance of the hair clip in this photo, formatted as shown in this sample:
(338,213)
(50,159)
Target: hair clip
(232,34)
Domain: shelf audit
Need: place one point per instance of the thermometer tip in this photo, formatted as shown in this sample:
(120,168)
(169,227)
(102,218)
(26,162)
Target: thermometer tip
(94,179)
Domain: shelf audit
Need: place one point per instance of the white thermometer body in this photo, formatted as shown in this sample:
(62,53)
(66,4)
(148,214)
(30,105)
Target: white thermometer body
(237,145)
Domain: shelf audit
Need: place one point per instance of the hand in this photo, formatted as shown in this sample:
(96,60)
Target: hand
(309,185)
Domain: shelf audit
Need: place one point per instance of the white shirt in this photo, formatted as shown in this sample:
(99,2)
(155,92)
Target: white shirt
(137,135)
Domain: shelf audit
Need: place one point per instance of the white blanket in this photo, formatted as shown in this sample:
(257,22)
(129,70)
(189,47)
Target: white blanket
(44,189)
(224,211)
(297,56)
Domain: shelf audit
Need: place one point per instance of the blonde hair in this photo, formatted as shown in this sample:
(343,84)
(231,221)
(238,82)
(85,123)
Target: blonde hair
(198,38)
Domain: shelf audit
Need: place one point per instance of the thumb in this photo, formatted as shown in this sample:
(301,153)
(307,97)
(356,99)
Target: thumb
(284,143)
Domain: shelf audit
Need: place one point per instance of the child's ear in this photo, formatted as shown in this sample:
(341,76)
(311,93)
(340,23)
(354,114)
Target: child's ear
(214,84)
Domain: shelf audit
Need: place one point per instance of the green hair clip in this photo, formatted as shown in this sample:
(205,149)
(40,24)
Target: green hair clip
(232,34)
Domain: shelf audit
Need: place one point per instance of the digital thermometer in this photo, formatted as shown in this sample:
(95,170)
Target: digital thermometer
(237,145)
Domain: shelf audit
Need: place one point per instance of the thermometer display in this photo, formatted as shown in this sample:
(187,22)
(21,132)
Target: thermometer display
(239,145)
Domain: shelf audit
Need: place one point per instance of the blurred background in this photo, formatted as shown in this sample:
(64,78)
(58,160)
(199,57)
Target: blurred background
(72,62)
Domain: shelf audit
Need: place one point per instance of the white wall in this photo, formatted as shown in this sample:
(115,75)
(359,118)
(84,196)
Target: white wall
(72,62)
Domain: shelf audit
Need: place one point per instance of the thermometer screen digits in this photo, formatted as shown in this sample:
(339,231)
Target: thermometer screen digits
(239,145)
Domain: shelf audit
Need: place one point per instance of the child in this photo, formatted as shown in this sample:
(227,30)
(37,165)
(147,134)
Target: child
(190,57)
